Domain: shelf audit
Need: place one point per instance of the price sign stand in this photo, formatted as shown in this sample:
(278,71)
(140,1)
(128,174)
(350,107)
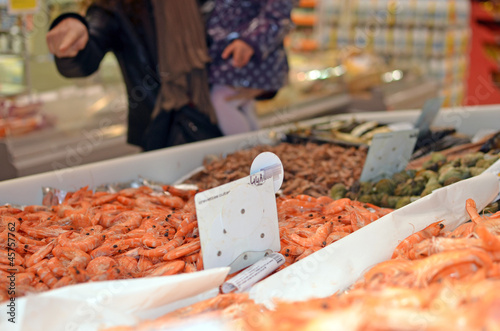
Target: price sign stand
(389,153)
(238,221)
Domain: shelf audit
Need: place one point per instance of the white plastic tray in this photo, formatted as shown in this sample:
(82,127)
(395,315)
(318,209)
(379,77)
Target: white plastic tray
(170,164)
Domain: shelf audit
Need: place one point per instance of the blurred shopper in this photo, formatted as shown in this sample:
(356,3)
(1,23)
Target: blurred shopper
(161,48)
(248,58)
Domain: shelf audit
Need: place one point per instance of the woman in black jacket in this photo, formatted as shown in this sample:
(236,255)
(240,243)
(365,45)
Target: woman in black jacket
(160,47)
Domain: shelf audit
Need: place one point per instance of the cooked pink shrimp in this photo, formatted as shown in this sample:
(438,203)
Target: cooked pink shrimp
(9,268)
(184,194)
(190,267)
(199,261)
(41,233)
(132,253)
(33,209)
(104,199)
(100,265)
(337,235)
(462,231)
(171,201)
(361,216)
(304,197)
(183,250)
(295,206)
(470,206)
(404,246)
(7,257)
(111,274)
(436,245)
(386,270)
(129,264)
(46,275)
(191,258)
(40,254)
(85,242)
(318,239)
(425,269)
(28,241)
(131,243)
(8,210)
(492,224)
(9,223)
(167,268)
(24,278)
(337,206)
(154,240)
(184,229)
(308,252)
(491,242)
(72,256)
(144,264)
(108,249)
(162,250)
(64,281)
(130,219)
(56,266)
(293,250)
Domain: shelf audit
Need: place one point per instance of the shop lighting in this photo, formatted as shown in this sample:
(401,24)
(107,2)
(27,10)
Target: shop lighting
(313,74)
(98,105)
(387,77)
(116,130)
(324,74)
(321,74)
(397,75)
(339,70)
(391,76)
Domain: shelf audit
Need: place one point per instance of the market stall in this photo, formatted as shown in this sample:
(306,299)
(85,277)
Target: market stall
(96,236)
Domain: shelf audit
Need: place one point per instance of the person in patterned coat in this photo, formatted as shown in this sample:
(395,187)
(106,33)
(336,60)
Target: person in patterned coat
(248,58)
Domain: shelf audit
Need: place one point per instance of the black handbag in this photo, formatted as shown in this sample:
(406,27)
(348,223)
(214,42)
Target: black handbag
(178,127)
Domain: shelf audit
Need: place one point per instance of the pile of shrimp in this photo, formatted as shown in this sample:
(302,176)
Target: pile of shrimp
(308,224)
(436,280)
(136,232)
(139,232)
(224,312)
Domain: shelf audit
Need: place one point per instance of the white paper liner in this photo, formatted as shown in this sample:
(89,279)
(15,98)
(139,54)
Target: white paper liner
(93,306)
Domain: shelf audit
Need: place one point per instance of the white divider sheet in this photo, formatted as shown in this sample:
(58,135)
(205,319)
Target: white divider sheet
(93,306)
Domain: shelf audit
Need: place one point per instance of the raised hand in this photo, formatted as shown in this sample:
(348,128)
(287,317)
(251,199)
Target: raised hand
(67,38)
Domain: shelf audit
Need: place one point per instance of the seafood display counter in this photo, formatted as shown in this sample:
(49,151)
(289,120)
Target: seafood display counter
(173,163)
(328,244)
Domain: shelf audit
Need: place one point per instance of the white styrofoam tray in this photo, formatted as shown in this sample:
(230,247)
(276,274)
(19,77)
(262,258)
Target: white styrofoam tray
(170,164)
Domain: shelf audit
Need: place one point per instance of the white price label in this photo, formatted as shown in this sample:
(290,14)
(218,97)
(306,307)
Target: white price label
(238,222)
(389,153)
(271,165)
